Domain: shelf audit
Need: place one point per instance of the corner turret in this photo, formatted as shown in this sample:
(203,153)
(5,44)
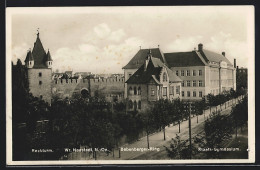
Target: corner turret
(48,59)
(29,60)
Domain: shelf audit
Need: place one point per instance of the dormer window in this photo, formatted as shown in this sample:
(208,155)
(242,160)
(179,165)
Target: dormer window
(164,77)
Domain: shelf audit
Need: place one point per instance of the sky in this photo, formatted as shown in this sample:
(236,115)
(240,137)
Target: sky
(103,39)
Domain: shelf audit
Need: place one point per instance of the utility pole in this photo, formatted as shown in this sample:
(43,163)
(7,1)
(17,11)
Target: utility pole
(190,128)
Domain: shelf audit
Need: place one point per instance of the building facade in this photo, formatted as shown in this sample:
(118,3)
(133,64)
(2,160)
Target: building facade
(46,85)
(39,68)
(201,71)
(151,82)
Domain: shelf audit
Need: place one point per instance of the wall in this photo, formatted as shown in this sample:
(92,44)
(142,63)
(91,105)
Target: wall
(109,88)
(192,78)
(40,90)
(63,88)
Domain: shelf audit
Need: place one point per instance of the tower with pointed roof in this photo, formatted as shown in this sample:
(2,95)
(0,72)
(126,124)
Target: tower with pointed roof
(39,67)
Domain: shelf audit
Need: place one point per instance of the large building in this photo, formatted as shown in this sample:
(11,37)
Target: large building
(46,85)
(151,82)
(201,71)
(39,67)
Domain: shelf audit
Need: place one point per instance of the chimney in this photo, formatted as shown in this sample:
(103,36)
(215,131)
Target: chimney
(223,53)
(200,47)
(235,63)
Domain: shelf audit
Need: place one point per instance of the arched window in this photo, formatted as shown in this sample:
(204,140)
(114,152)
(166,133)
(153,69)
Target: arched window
(130,104)
(139,91)
(135,105)
(130,90)
(164,77)
(84,93)
(135,92)
(139,104)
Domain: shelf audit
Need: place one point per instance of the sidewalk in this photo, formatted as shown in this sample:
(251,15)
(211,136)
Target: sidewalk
(155,140)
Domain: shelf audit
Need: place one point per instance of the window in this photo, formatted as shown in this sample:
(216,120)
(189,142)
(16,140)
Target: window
(172,90)
(130,104)
(40,74)
(182,93)
(177,73)
(135,91)
(30,63)
(182,72)
(194,93)
(188,83)
(130,90)
(164,91)
(200,83)
(139,104)
(152,92)
(194,73)
(200,72)
(194,83)
(188,72)
(40,96)
(182,84)
(177,89)
(40,82)
(188,93)
(200,94)
(135,105)
(164,77)
(139,91)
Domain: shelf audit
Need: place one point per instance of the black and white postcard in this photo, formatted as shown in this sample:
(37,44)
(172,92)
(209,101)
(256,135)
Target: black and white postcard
(130,85)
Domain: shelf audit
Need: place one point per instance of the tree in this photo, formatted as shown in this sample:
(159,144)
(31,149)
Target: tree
(161,113)
(148,123)
(239,114)
(179,149)
(217,129)
(179,110)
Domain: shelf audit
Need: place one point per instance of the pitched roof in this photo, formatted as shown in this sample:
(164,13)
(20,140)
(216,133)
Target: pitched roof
(29,56)
(183,59)
(172,76)
(213,57)
(143,77)
(153,71)
(139,58)
(48,58)
(39,54)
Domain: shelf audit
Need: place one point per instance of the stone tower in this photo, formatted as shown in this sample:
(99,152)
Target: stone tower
(39,67)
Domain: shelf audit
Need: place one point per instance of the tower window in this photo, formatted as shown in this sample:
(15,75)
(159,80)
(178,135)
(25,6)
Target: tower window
(40,82)
(135,91)
(164,77)
(40,74)
(139,91)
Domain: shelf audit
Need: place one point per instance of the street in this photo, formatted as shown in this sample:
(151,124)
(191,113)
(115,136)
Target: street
(155,141)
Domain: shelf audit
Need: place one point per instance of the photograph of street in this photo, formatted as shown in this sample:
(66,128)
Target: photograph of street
(130,83)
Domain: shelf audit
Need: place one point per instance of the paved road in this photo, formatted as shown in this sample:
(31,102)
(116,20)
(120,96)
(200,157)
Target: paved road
(155,141)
